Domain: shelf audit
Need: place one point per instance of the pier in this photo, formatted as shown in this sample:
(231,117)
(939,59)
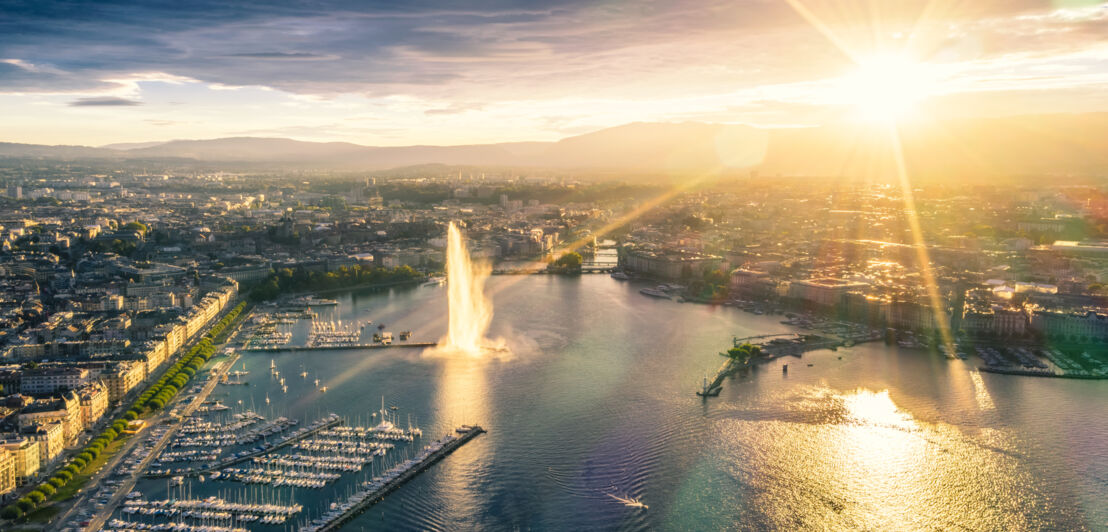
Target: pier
(336,347)
(393,479)
(774,346)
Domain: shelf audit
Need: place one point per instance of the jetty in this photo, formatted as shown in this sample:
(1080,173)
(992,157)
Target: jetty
(772,346)
(336,347)
(392,479)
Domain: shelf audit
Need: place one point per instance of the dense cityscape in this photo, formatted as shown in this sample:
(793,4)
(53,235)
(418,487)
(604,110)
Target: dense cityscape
(701,265)
(111,276)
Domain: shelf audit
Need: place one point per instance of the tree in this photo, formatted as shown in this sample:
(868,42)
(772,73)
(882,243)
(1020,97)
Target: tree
(137,227)
(568,263)
(744,352)
(12,512)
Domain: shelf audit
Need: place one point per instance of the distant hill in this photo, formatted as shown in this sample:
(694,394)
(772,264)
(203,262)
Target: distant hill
(1033,144)
(131,145)
(11,149)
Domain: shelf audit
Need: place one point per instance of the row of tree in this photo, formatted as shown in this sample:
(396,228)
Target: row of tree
(300,280)
(153,398)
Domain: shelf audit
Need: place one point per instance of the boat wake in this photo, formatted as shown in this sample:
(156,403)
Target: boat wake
(629,501)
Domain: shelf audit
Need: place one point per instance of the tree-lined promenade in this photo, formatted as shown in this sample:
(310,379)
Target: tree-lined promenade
(61,485)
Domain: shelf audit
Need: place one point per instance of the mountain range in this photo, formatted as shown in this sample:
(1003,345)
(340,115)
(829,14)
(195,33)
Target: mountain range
(1021,145)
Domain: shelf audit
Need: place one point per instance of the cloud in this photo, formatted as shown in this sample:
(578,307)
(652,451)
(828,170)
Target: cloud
(553,66)
(103,102)
(457,108)
(284,56)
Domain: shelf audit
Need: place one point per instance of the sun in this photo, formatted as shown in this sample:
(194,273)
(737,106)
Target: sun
(886,87)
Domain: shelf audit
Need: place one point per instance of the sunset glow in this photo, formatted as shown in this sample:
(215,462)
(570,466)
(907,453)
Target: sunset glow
(886,87)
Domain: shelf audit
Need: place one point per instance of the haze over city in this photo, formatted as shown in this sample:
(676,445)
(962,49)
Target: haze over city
(520,265)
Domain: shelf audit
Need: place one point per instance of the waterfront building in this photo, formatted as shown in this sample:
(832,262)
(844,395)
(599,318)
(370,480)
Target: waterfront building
(122,377)
(25,452)
(7,472)
(824,291)
(94,402)
(999,322)
(50,437)
(751,283)
(667,264)
(47,380)
(65,409)
(1089,325)
(911,315)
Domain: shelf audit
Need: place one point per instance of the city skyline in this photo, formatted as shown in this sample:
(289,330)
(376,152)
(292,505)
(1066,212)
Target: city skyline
(101,73)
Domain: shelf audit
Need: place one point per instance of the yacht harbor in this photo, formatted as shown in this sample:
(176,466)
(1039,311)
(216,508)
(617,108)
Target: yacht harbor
(376,488)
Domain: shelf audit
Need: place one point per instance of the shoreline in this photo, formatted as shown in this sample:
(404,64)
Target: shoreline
(1043,374)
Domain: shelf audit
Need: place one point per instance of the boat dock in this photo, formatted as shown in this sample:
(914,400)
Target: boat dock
(337,347)
(323,424)
(393,479)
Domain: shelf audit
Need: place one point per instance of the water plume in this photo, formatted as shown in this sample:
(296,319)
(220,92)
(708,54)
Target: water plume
(470,312)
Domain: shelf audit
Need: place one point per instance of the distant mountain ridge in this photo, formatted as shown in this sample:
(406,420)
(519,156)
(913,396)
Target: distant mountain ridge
(1056,144)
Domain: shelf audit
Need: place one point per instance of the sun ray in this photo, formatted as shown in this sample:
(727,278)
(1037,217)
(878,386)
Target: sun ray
(919,243)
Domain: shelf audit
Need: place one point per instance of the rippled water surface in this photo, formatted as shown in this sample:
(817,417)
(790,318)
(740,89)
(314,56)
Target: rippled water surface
(598,402)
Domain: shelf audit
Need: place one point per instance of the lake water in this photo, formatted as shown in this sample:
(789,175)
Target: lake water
(598,401)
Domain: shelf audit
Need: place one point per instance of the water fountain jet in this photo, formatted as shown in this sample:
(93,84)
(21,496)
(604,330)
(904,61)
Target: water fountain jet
(470,312)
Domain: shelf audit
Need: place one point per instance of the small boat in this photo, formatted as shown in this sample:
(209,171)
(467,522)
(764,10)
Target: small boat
(317,383)
(655,292)
(272,364)
(323,389)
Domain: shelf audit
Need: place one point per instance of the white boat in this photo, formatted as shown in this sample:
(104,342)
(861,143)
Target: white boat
(659,292)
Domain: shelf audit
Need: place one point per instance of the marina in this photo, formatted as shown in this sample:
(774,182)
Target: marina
(373,490)
(241,456)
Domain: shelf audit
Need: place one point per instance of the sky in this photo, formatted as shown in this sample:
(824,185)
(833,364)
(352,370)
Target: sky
(444,73)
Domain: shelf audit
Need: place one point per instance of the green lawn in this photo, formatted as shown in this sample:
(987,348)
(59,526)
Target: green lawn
(42,514)
(70,490)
